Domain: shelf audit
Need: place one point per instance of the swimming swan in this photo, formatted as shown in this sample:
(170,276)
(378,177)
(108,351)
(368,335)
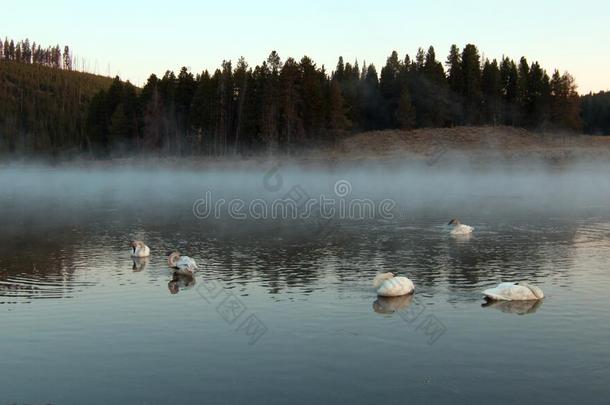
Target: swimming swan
(514,292)
(388,285)
(139,249)
(459,228)
(181,264)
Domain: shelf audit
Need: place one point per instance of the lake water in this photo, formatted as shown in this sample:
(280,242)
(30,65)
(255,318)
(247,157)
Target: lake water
(282,311)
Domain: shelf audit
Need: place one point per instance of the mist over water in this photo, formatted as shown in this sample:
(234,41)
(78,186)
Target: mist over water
(82,322)
(156,191)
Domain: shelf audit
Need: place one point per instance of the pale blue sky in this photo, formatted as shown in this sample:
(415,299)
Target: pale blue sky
(141,37)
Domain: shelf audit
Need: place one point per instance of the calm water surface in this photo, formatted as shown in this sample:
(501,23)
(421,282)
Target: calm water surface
(283,311)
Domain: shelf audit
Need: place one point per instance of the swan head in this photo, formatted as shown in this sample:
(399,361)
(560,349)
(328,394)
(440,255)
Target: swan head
(380,278)
(136,244)
(172,258)
(454,221)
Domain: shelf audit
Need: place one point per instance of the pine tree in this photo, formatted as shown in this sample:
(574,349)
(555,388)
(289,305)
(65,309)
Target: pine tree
(596,113)
(471,76)
(339,73)
(565,103)
(185,89)
(337,117)
(419,59)
(405,113)
(455,82)
(202,115)
(538,96)
(96,124)
(67,58)
(509,77)
(225,107)
(270,117)
(26,50)
(240,89)
(312,98)
(350,89)
(390,90)
(491,86)
(18,52)
(131,110)
(118,130)
(153,115)
(454,70)
(291,122)
(433,69)
(523,100)
(11,50)
(55,57)
(7,50)
(371,105)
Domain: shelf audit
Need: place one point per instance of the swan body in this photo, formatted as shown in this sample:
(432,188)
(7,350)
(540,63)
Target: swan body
(182,264)
(514,292)
(459,228)
(139,249)
(387,285)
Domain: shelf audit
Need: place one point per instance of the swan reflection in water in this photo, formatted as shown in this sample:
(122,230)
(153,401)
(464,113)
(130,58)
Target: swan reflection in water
(139,263)
(514,307)
(462,237)
(180,282)
(389,305)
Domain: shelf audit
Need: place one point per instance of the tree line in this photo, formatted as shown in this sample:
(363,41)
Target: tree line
(277,106)
(24,52)
(596,113)
(283,105)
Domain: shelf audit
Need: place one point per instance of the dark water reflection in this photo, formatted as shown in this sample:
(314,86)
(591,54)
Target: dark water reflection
(82,322)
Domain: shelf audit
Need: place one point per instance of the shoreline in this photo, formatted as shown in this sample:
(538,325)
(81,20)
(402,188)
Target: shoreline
(429,147)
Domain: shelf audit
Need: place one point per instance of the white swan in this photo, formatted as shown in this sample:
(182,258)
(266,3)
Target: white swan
(514,292)
(139,249)
(459,228)
(181,264)
(388,285)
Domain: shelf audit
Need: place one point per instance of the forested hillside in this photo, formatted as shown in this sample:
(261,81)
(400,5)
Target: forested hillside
(44,109)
